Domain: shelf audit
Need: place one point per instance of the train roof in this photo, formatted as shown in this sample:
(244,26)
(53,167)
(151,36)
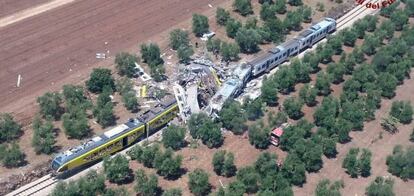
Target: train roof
(305,33)
(242,71)
(152,113)
(261,59)
(322,24)
(98,141)
(274,50)
(289,44)
(226,91)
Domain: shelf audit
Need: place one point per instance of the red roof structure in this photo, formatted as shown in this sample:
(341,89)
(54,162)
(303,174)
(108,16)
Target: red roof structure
(278,131)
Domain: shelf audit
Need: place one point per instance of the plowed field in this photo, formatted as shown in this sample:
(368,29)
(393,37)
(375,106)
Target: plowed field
(59,46)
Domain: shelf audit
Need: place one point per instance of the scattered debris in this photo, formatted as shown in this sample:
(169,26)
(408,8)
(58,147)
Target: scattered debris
(100,55)
(140,71)
(207,36)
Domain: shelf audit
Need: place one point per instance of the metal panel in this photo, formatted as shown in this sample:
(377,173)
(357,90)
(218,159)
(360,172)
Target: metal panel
(115,131)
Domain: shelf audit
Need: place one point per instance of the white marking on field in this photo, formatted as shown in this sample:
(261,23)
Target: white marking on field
(27,13)
(19,78)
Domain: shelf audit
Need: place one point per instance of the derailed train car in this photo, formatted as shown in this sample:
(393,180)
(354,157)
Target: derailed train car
(269,61)
(117,138)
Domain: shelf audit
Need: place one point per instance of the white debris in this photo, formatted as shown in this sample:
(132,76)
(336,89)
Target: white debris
(19,78)
(144,76)
(209,5)
(100,55)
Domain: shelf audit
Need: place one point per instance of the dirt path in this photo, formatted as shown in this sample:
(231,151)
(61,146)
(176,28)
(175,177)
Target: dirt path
(8,7)
(27,13)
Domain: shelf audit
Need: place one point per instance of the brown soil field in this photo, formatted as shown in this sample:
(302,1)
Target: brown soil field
(58,47)
(8,7)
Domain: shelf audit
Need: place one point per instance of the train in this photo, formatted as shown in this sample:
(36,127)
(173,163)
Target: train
(126,134)
(117,138)
(243,73)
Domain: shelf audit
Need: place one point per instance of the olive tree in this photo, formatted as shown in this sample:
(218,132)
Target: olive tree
(50,105)
(380,186)
(173,137)
(401,162)
(202,127)
(248,40)
(326,188)
(293,107)
(259,136)
(75,123)
(125,64)
(43,140)
(99,78)
(117,169)
(402,110)
(179,38)
(9,128)
(13,156)
(198,182)
(200,24)
(244,7)
(146,185)
(222,16)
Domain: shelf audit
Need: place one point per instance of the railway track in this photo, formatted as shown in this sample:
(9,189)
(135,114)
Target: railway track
(48,180)
(34,187)
(352,14)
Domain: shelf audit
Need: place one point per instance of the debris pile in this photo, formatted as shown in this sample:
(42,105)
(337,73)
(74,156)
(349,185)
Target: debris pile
(196,84)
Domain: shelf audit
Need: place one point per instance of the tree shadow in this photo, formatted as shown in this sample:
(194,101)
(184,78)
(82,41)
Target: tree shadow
(128,179)
(180,173)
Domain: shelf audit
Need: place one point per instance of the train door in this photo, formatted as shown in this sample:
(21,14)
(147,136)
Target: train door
(125,141)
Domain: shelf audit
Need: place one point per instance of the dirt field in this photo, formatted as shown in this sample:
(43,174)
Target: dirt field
(58,47)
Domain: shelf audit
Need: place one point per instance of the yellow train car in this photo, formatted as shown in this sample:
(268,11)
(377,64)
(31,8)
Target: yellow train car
(159,116)
(116,139)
